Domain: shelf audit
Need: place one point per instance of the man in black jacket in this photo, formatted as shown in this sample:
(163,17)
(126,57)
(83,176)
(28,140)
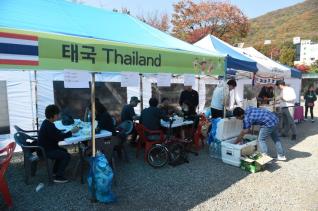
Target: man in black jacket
(190,99)
(49,136)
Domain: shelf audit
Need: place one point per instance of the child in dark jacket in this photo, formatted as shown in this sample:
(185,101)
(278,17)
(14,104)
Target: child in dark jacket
(310,98)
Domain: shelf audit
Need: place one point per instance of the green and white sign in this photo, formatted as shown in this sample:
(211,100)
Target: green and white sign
(59,52)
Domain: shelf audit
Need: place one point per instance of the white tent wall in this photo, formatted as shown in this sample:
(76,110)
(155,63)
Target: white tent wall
(293,82)
(198,86)
(20,102)
(147,88)
(46,92)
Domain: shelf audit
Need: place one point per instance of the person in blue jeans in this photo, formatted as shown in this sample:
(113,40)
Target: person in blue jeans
(268,122)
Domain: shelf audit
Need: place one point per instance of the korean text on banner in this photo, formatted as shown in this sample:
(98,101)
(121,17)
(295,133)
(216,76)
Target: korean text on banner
(130,79)
(189,80)
(164,80)
(76,79)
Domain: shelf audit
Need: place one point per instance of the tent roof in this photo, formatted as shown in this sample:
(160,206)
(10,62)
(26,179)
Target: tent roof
(74,36)
(236,59)
(62,17)
(270,64)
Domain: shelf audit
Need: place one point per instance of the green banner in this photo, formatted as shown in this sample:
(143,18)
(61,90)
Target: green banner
(59,52)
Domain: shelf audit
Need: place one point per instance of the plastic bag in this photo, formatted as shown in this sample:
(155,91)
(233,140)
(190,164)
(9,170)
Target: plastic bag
(100,179)
(212,133)
(214,144)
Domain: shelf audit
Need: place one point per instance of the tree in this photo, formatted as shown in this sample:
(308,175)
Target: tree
(287,56)
(192,21)
(314,67)
(271,51)
(157,20)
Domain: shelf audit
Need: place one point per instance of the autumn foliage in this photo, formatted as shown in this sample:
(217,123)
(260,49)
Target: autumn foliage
(303,68)
(192,21)
(157,20)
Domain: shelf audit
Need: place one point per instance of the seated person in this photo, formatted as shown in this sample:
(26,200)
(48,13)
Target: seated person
(150,117)
(167,108)
(49,136)
(266,93)
(104,119)
(128,113)
(105,122)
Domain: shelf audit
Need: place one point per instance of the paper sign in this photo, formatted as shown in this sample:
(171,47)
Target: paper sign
(296,40)
(129,79)
(76,79)
(163,79)
(189,80)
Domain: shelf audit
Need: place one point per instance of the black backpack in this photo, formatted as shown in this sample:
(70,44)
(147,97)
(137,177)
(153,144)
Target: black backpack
(67,119)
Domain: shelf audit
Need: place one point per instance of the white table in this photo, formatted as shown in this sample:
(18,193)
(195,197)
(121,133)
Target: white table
(179,122)
(82,135)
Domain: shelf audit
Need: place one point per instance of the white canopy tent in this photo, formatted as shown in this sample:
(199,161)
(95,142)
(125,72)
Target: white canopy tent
(270,67)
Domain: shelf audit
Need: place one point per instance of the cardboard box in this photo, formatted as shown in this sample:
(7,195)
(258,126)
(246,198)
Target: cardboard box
(256,163)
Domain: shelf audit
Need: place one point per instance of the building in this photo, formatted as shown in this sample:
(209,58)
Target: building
(308,53)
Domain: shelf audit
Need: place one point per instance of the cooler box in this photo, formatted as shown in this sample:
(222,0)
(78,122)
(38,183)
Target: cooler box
(225,129)
(228,128)
(232,153)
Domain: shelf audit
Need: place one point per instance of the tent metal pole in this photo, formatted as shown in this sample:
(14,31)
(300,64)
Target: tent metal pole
(141,93)
(198,109)
(93,114)
(224,87)
(36,100)
(274,106)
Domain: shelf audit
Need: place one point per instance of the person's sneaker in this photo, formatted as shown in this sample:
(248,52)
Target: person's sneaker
(312,120)
(293,138)
(305,119)
(60,179)
(281,158)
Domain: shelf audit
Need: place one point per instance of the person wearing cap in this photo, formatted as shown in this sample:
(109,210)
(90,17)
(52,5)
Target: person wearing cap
(287,101)
(128,113)
(189,98)
(219,93)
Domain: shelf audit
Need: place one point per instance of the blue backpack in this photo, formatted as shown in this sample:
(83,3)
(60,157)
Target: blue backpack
(100,179)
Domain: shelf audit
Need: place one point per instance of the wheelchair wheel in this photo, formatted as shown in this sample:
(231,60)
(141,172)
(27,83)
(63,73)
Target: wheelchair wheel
(158,156)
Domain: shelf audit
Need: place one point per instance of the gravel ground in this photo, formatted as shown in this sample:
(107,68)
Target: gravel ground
(203,184)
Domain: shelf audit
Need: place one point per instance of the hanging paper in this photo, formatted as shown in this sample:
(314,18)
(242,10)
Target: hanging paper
(189,80)
(130,79)
(76,79)
(164,79)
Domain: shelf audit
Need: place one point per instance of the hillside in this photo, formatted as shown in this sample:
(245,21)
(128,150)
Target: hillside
(284,24)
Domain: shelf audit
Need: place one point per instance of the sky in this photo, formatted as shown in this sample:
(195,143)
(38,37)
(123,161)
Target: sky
(251,8)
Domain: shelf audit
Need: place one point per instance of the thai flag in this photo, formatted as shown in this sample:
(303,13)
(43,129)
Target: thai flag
(19,49)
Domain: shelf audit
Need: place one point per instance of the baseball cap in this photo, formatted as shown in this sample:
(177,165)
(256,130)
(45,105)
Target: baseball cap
(134,99)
